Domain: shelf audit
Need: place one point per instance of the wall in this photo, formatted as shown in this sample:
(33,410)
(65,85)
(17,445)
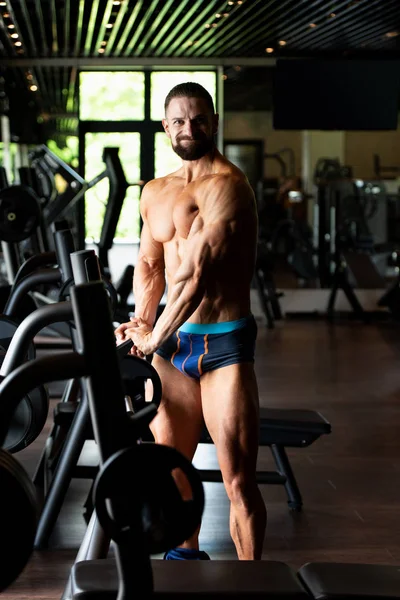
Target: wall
(258,125)
(358,147)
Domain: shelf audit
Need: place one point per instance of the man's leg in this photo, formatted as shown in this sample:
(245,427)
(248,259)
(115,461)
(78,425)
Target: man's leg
(231,412)
(179,421)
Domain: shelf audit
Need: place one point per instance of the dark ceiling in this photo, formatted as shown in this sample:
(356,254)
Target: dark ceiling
(44,43)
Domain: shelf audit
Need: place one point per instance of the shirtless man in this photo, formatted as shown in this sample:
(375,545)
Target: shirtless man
(200,228)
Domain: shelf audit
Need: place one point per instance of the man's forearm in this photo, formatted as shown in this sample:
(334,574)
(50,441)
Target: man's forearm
(148,289)
(184,297)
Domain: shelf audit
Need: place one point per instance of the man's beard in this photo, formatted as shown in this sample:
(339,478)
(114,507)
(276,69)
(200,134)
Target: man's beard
(194,151)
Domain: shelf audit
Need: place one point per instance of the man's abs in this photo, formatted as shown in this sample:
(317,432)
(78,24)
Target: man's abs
(197,348)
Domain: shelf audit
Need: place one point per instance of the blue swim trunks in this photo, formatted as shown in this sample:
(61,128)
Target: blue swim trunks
(196,348)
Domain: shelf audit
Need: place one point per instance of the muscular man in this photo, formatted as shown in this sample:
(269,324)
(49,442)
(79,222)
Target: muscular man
(200,228)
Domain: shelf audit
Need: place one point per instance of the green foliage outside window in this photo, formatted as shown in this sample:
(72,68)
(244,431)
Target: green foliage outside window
(96,197)
(165,159)
(111,96)
(69,154)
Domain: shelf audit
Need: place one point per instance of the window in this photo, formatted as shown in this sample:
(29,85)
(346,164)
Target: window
(111,96)
(96,197)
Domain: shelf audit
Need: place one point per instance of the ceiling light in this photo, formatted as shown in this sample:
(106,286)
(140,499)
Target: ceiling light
(240,1)
(207,25)
(231,3)
(11,26)
(224,77)
(225,15)
(100,50)
(14,35)
(3,3)
(103,43)
(17,43)
(117,2)
(218,16)
(33,88)
(190,42)
(312,25)
(332,15)
(109,25)
(214,25)
(391,34)
(29,76)
(6,15)
(269,50)
(282,43)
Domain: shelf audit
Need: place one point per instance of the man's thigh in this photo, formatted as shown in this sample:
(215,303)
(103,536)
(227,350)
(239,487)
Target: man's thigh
(230,404)
(179,420)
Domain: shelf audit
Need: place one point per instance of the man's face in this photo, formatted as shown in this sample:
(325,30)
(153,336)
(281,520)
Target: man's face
(191,126)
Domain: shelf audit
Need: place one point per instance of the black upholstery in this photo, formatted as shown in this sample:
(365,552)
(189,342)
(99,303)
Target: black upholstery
(287,427)
(328,581)
(98,579)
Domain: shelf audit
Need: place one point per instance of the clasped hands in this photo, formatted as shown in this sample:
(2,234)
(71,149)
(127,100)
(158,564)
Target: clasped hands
(141,334)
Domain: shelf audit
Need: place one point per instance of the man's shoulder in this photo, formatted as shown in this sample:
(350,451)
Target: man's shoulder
(161,182)
(230,181)
(156,186)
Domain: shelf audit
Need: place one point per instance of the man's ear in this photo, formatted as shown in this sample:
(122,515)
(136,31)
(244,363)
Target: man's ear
(166,127)
(215,123)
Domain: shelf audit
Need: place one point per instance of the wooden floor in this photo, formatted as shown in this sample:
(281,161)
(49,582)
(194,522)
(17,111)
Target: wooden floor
(350,480)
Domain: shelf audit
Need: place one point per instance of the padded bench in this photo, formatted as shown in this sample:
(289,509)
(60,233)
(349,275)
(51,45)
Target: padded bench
(98,580)
(329,581)
(280,429)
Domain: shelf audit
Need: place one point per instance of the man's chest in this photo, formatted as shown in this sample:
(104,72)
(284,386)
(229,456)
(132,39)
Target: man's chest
(172,214)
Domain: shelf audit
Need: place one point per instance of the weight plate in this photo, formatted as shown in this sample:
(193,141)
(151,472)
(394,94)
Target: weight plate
(18,518)
(28,420)
(146,502)
(135,371)
(31,413)
(7,329)
(19,213)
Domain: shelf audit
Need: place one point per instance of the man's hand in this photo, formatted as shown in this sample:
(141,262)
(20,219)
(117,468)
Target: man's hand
(121,337)
(141,334)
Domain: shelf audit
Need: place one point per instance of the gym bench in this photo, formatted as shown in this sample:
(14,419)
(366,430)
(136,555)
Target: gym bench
(98,579)
(279,429)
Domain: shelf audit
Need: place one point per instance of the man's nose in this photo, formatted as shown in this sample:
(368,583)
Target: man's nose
(189,128)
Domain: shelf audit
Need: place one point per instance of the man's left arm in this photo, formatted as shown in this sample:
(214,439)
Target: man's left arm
(209,237)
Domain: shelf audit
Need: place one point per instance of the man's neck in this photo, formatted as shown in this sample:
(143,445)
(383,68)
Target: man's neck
(194,169)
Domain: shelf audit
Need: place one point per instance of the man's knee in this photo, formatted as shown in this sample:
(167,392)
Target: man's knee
(240,487)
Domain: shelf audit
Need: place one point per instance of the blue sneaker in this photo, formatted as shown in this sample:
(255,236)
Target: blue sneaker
(186,554)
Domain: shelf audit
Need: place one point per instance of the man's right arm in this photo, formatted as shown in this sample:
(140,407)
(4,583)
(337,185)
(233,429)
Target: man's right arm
(149,276)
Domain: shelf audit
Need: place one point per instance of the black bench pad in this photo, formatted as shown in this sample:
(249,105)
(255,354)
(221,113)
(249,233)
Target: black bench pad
(287,427)
(206,579)
(327,581)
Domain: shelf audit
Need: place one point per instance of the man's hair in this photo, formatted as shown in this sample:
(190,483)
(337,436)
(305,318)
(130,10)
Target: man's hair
(189,90)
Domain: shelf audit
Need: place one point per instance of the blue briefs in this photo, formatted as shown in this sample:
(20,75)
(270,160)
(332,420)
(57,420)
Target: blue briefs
(197,348)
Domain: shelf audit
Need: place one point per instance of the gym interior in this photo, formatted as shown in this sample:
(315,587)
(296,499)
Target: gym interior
(308,97)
